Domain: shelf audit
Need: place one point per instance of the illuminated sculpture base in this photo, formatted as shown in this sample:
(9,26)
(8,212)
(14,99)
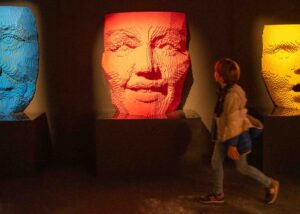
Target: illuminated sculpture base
(280,149)
(131,148)
(24,145)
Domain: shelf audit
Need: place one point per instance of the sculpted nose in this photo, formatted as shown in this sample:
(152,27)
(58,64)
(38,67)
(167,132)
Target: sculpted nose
(144,60)
(145,65)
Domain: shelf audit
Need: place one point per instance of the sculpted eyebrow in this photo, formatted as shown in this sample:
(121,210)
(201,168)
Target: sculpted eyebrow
(172,33)
(290,47)
(175,37)
(18,32)
(112,34)
(115,37)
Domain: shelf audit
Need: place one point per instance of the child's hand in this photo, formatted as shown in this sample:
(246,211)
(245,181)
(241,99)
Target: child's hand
(233,153)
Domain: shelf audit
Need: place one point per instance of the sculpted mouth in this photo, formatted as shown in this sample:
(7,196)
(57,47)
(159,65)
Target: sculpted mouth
(149,88)
(6,89)
(147,93)
(296,88)
(7,83)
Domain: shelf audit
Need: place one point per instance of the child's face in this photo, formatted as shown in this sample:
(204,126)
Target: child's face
(218,78)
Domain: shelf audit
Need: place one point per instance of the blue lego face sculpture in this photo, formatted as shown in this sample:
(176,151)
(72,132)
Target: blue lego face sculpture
(18,58)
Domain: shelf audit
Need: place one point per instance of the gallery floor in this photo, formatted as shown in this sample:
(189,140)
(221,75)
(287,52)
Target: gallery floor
(76,190)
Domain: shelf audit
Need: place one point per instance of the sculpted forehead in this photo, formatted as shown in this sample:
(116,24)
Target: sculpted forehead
(281,33)
(144,20)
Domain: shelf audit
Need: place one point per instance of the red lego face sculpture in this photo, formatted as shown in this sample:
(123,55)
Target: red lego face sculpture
(145,61)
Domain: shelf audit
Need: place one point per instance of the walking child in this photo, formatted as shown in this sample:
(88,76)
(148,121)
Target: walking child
(232,133)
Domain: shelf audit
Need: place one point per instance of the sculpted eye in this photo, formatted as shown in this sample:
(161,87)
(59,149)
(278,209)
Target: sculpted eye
(167,46)
(8,38)
(131,45)
(11,42)
(114,47)
(123,46)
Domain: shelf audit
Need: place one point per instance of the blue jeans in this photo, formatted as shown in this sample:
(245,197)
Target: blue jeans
(242,166)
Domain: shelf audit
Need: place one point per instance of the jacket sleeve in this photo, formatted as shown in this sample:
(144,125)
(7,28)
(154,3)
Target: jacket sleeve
(232,142)
(233,114)
(231,108)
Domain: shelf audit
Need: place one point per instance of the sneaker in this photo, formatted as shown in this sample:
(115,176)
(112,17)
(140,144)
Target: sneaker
(212,198)
(272,192)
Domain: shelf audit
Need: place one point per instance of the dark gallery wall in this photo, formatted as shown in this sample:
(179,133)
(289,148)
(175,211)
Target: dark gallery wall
(71,87)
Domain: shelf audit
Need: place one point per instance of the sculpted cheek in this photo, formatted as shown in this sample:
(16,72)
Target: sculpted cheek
(175,68)
(117,69)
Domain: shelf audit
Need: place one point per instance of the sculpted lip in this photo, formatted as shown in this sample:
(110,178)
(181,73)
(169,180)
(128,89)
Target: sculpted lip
(6,86)
(296,88)
(7,89)
(149,87)
(147,93)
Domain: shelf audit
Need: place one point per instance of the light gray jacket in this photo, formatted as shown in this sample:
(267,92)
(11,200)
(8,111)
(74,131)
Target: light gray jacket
(234,119)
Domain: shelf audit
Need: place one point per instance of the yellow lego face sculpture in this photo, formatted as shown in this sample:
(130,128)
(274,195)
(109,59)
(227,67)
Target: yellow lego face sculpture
(281,64)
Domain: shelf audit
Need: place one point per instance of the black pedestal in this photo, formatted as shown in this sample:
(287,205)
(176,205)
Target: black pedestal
(24,144)
(281,140)
(144,147)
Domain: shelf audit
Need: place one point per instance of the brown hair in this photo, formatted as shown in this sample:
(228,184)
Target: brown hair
(228,69)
